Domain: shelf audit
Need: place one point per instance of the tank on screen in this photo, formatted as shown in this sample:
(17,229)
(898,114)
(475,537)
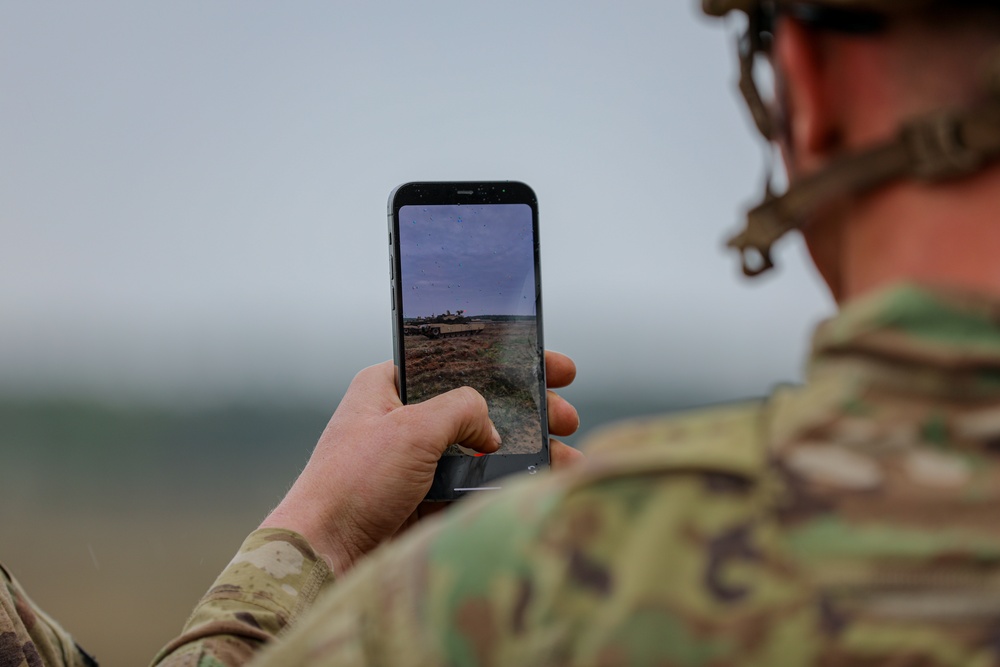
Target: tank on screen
(449,325)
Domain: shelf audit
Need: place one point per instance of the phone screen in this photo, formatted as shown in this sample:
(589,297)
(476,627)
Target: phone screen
(467,299)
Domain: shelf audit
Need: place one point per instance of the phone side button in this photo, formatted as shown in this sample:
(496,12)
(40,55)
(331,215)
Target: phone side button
(392,298)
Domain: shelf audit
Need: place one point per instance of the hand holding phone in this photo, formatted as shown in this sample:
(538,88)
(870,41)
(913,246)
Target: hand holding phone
(377,459)
(467,303)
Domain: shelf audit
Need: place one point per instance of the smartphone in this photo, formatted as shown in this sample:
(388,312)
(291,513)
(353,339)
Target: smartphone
(467,311)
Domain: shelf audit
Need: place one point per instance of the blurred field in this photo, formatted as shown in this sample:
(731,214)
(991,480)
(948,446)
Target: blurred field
(116,520)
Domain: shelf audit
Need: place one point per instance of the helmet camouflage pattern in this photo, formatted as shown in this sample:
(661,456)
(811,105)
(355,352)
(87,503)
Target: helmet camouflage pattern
(946,144)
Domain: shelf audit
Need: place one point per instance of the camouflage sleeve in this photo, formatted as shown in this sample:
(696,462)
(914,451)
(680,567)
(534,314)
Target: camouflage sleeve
(29,637)
(587,569)
(274,577)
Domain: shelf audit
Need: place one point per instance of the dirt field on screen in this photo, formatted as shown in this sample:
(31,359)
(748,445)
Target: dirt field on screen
(499,362)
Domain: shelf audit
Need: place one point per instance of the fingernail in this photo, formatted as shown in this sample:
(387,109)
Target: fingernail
(496,436)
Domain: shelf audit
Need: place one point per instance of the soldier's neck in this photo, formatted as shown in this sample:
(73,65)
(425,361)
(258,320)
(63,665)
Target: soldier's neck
(945,234)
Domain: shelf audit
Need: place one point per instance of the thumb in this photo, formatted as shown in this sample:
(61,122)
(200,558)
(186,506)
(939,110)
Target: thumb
(457,417)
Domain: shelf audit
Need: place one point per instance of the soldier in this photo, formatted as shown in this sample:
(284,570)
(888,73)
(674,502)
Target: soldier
(852,521)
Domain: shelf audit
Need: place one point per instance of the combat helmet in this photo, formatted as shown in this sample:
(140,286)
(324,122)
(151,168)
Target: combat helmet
(942,145)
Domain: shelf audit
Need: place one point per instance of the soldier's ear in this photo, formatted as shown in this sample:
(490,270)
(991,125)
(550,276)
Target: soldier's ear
(808,114)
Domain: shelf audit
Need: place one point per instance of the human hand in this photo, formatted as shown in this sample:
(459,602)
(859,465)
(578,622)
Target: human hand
(560,371)
(375,460)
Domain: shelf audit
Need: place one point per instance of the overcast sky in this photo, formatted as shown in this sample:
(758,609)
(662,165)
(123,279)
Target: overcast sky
(479,259)
(192,194)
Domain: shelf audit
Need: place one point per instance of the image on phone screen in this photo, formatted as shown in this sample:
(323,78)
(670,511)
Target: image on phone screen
(468,295)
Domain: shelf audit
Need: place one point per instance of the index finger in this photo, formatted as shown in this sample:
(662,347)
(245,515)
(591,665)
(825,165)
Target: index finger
(560,370)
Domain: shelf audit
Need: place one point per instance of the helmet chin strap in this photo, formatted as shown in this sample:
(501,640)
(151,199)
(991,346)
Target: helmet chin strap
(936,147)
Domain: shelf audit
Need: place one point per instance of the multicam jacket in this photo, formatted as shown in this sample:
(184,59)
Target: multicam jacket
(274,577)
(855,521)
(29,637)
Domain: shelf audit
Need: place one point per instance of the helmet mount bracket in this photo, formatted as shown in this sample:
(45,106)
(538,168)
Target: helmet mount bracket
(943,145)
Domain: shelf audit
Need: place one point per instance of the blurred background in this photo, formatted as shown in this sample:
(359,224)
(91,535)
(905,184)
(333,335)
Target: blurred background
(194,260)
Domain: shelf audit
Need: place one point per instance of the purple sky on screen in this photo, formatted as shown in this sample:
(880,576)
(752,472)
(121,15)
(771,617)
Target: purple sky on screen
(477,258)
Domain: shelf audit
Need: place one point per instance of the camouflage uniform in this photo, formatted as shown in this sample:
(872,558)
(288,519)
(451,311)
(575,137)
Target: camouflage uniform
(28,637)
(274,577)
(850,522)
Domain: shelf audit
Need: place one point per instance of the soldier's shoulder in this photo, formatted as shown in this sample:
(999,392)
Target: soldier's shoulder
(637,458)
(649,526)
(724,438)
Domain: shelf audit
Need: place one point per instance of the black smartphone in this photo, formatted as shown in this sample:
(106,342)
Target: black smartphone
(467,311)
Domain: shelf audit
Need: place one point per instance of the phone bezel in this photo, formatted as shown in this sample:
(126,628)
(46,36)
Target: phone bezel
(457,476)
